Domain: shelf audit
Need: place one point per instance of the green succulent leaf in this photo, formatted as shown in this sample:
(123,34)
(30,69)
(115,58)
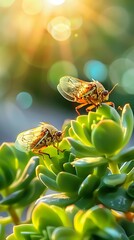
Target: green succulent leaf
(12,198)
(102,217)
(114,179)
(81,150)
(116,198)
(68,182)
(89,162)
(31,193)
(58,199)
(93,118)
(20,232)
(107,137)
(125,155)
(130,190)
(108,112)
(6,149)
(85,202)
(69,168)
(67,233)
(44,170)
(43,216)
(7,175)
(28,173)
(127,121)
(82,119)
(48,182)
(89,184)
(78,131)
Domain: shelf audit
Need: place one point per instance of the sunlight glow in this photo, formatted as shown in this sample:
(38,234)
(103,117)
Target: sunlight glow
(32,7)
(6,3)
(56,2)
(113,18)
(60,28)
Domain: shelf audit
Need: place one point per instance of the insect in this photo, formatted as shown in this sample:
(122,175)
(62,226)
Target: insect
(38,138)
(85,93)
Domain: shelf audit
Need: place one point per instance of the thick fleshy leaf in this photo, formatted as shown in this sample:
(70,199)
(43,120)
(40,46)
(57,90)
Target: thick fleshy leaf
(58,199)
(107,137)
(81,150)
(7,174)
(127,121)
(68,182)
(125,155)
(42,169)
(114,179)
(79,222)
(102,217)
(127,167)
(12,198)
(89,162)
(89,184)
(6,149)
(85,203)
(108,112)
(93,118)
(11,237)
(116,198)
(66,233)
(43,216)
(64,217)
(85,166)
(48,182)
(27,228)
(104,220)
(32,192)
(130,190)
(78,131)
(82,119)
(69,168)
(28,174)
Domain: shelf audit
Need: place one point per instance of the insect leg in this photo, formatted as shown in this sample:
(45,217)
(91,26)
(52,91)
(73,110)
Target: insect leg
(88,109)
(110,103)
(57,147)
(40,152)
(80,106)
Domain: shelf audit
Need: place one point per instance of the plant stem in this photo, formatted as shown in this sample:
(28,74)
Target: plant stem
(14,215)
(113,166)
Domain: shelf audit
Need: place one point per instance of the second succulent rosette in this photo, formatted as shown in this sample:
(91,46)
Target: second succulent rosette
(101,133)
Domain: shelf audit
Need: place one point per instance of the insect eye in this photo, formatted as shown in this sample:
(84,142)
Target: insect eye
(58,135)
(105,93)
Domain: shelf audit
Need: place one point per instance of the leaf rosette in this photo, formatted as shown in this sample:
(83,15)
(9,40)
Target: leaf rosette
(101,133)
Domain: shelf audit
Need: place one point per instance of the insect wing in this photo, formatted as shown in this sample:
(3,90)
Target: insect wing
(25,139)
(70,87)
(64,94)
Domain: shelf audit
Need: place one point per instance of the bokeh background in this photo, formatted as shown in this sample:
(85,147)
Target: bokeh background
(43,40)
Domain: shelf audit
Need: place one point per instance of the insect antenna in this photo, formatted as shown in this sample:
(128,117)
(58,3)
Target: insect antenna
(113,88)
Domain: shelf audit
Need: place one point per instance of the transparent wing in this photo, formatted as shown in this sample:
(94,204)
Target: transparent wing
(26,138)
(64,94)
(70,87)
